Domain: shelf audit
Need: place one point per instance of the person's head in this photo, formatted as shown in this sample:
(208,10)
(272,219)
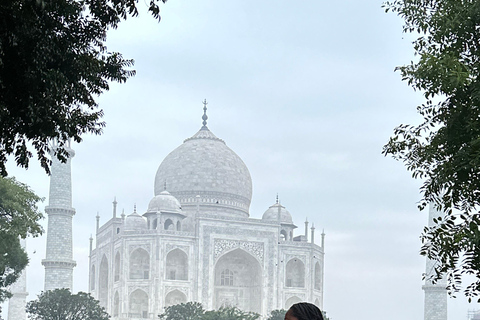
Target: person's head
(304,311)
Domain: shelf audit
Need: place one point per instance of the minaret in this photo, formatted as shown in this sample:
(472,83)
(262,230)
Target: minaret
(435,306)
(58,262)
(16,304)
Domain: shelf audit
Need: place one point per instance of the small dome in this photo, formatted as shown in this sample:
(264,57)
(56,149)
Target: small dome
(272,214)
(164,202)
(135,221)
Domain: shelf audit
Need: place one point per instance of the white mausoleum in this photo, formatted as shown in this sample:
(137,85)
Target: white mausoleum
(197,242)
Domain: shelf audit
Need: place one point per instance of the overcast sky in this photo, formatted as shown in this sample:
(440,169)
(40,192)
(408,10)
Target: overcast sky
(306,94)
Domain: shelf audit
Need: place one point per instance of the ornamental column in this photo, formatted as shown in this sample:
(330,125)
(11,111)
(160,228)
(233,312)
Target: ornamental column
(435,305)
(58,262)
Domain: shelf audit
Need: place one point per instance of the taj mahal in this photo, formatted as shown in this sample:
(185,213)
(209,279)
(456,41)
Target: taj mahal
(196,242)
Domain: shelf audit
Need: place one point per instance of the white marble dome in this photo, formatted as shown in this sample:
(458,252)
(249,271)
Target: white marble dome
(203,165)
(164,202)
(272,214)
(135,221)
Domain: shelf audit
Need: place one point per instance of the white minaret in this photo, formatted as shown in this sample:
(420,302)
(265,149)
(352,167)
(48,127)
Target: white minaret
(435,306)
(16,304)
(58,262)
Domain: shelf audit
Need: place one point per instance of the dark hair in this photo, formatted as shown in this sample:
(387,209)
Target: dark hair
(306,311)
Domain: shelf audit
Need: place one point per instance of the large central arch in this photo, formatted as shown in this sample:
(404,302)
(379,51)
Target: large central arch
(238,281)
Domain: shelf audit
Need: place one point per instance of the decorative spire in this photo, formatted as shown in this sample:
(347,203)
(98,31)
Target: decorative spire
(98,221)
(276,199)
(205,117)
(165,185)
(135,208)
(115,207)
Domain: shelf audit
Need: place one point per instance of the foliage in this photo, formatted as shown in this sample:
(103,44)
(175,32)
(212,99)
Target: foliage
(53,64)
(229,313)
(195,311)
(183,311)
(19,217)
(61,304)
(444,149)
(278,314)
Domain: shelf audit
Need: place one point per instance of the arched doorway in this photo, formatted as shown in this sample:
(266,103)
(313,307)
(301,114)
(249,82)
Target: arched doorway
(238,281)
(177,265)
(295,274)
(116,304)
(103,282)
(291,301)
(318,277)
(139,264)
(175,297)
(138,304)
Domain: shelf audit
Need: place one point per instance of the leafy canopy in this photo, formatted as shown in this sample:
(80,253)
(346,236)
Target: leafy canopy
(60,304)
(444,150)
(195,311)
(19,216)
(53,65)
(278,314)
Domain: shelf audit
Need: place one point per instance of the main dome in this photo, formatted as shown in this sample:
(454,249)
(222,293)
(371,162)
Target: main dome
(203,165)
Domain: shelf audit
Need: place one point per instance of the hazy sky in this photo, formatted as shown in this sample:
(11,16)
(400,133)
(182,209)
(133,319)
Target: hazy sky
(306,94)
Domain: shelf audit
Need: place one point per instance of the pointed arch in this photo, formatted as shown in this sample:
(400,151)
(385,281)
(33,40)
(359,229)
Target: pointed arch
(175,297)
(139,264)
(177,265)
(92,278)
(179,225)
(103,282)
(138,304)
(295,273)
(116,269)
(168,225)
(291,301)
(318,277)
(116,304)
(283,235)
(238,281)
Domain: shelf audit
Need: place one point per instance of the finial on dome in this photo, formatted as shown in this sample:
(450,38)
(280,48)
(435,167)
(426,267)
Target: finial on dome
(135,208)
(165,185)
(205,117)
(276,199)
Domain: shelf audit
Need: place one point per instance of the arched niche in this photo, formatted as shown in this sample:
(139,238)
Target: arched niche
(116,269)
(179,225)
(177,265)
(139,264)
(295,273)
(291,301)
(155,223)
(318,277)
(317,303)
(103,282)
(242,281)
(138,304)
(116,304)
(283,235)
(175,297)
(168,225)
(92,278)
